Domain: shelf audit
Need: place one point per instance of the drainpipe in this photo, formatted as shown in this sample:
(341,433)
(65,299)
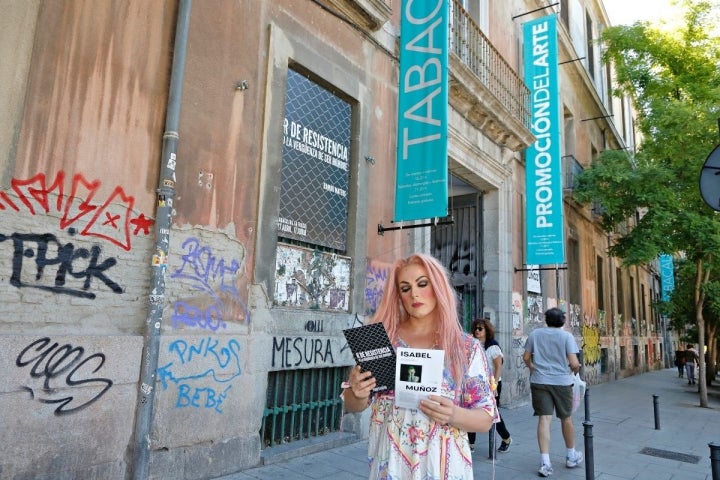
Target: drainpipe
(165,196)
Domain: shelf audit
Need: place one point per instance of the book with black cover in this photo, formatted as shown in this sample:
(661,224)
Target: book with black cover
(372,350)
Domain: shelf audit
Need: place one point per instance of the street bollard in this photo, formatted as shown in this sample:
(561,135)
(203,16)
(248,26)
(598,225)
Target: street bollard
(656,412)
(589,454)
(714,460)
(587,403)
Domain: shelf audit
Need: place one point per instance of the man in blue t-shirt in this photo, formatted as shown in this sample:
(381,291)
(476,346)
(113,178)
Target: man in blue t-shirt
(551,355)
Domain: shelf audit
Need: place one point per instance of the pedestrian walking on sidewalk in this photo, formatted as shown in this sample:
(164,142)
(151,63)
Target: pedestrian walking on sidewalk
(548,351)
(691,359)
(483,330)
(680,362)
(418,310)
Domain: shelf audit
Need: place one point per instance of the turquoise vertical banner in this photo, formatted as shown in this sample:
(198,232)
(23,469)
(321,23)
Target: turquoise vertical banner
(545,241)
(667,277)
(422,166)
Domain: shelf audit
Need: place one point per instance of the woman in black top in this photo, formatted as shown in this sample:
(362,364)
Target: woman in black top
(484,331)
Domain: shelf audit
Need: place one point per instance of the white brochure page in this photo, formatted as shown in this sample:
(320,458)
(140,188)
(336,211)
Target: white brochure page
(418,374)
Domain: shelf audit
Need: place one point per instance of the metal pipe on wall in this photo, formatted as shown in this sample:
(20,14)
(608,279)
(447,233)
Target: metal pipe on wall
(163,221)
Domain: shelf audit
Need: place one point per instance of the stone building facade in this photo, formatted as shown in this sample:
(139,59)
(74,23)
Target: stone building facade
(217,214)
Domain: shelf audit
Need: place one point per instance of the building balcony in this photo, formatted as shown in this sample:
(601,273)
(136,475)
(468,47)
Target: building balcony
(571,170)
(483,86)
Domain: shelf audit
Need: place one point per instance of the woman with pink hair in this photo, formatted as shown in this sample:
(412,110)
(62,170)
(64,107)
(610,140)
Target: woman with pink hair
(418,310)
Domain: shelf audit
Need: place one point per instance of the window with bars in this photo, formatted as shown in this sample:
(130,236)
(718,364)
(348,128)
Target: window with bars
(302,404)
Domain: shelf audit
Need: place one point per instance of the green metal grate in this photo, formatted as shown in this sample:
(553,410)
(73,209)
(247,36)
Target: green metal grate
(301,404)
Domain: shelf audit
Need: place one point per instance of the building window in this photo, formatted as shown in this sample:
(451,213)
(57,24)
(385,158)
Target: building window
(575,280)
(301,404)
(591,46)
(608,79)
(314,179)
(310,268)
(564,13)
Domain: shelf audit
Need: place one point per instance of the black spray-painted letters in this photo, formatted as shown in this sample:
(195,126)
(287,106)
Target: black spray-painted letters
(66,261)
(50,361)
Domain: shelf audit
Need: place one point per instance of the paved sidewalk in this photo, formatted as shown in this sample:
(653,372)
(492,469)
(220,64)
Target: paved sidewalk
(623,426)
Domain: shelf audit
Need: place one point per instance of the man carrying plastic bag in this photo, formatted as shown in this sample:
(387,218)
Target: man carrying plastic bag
(548,351)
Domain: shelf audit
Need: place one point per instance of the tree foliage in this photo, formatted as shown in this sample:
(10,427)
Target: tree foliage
(650,198)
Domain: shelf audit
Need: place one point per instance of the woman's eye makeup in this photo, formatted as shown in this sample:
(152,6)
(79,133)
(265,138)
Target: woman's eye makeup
(406,287)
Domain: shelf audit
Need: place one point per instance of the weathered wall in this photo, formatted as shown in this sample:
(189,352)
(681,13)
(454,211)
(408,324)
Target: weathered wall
(85,87)
(81,157)
(81,144)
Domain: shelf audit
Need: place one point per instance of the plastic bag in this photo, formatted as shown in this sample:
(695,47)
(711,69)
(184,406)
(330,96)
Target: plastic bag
(578,391)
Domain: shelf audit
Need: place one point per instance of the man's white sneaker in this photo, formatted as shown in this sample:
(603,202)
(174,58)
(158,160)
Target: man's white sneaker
(574,462)
(545,470)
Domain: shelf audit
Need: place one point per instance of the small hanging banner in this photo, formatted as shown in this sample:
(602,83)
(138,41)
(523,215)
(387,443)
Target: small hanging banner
(422,167)
(667,276)
(543,179)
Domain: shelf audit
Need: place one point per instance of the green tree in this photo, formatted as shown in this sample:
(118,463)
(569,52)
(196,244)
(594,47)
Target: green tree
(650,199)
(680,309)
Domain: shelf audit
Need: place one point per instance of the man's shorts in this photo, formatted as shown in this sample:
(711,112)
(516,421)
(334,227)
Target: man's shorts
(549,398)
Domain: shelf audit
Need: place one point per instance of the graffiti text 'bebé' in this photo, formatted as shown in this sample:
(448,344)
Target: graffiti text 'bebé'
(203,370)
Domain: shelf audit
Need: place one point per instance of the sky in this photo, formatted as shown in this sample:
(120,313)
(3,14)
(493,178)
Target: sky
(625,12)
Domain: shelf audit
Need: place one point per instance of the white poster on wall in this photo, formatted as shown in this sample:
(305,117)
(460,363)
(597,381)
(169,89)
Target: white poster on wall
(533,279)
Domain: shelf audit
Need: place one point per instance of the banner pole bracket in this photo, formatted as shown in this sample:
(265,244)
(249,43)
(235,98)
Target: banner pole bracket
(435,222)
(526,269)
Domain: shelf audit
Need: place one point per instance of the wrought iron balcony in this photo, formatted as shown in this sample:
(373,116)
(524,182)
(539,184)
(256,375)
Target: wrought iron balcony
(484,87)
(571,169)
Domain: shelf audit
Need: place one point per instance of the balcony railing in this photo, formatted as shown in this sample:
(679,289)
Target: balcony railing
(571,169)
(474,49)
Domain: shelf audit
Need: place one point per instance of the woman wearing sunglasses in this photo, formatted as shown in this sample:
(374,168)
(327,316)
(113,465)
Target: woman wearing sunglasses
(484,331)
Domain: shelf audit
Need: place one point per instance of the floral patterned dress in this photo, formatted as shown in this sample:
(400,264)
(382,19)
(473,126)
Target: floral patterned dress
(404,444)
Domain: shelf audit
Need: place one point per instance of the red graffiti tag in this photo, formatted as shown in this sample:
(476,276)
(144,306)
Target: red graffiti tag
(79,206)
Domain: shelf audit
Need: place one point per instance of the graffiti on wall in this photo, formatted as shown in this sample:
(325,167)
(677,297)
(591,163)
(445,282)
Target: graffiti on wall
(301,352)
(376,275)
(535,309)
(61,368)
(516,310)
(521,387)
(591,345)
(80,210)
(215,277)
(65,263)
(311,279)
(202,369)
(574,316)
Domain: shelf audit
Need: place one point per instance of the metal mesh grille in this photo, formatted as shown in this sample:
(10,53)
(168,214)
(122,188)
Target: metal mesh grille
(301,404)
(315,170)
(456,246)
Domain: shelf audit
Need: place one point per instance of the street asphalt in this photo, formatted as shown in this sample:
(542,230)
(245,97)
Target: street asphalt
(645,427)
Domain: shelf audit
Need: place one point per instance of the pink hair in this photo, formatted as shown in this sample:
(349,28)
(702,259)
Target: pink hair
(391,312)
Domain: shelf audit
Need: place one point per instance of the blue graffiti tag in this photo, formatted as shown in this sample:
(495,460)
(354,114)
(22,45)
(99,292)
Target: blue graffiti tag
(205,360)
(203,269)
